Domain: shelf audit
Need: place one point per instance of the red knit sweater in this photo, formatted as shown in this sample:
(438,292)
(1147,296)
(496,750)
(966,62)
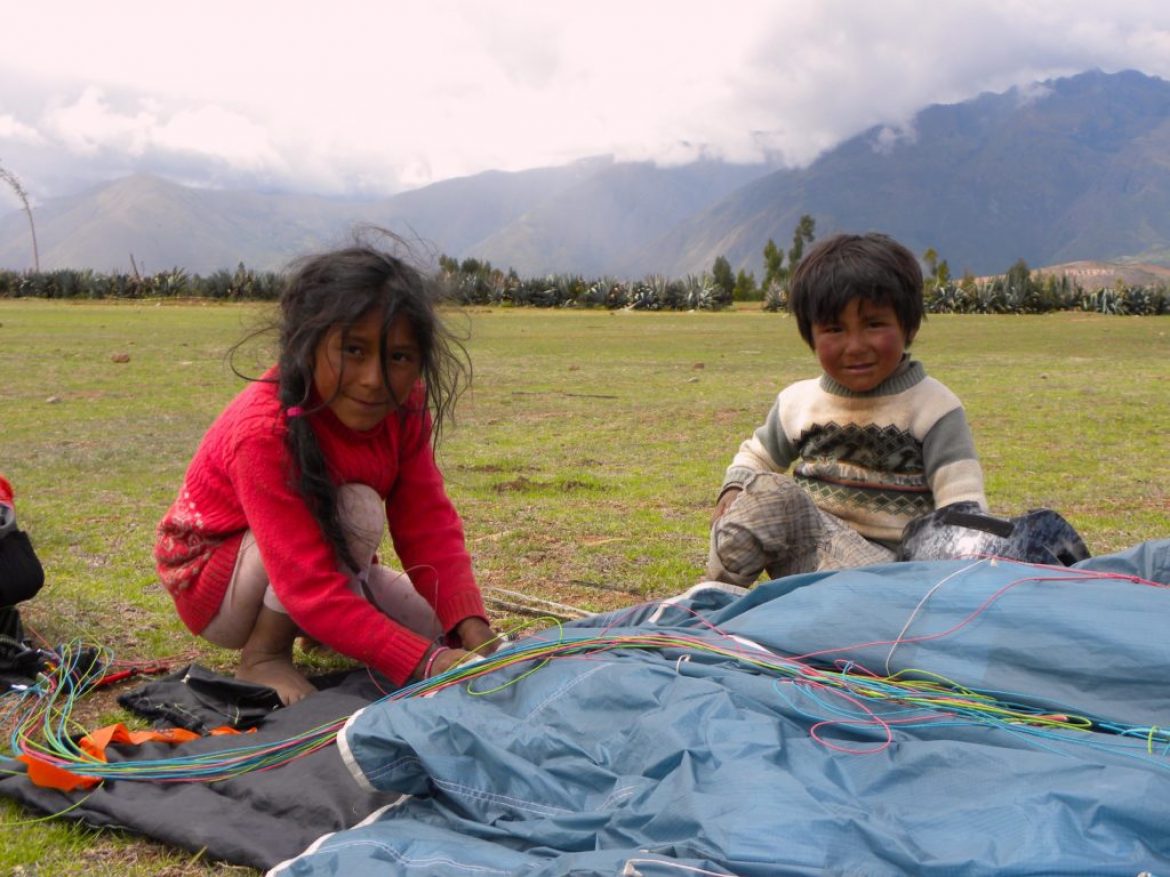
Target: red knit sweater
(240,479)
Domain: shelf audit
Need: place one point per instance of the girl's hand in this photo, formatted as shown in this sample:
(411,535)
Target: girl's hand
(437,660)
(447,659)
(476,635)
(477,638)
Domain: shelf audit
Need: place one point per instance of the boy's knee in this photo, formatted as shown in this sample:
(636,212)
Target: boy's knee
(772,525)
(736,556)
(772,506)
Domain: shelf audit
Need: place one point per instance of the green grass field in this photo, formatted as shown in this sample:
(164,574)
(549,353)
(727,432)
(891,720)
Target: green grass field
(585,459)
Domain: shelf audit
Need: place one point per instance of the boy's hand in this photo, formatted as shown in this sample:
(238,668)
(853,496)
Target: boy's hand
(724,503)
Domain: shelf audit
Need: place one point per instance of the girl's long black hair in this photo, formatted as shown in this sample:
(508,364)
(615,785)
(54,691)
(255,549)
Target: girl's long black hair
(336,289)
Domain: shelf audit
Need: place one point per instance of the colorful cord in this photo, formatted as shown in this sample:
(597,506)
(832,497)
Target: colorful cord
(835,696)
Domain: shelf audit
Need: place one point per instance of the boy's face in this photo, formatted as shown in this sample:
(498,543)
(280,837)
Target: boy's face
(862,347)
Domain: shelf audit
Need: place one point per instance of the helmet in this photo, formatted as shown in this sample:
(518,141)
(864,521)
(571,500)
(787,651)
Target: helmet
(965,530)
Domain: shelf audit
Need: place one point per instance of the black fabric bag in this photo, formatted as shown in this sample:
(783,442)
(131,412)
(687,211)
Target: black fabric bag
(199,700)
(965,530)
(11,631)
(19,662)
(21,575)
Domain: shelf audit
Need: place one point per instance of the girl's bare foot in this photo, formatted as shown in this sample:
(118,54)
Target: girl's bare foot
(266,658)
(277,673)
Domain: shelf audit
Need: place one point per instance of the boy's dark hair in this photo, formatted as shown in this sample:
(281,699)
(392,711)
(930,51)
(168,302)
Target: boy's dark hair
(873,267)
(338,288)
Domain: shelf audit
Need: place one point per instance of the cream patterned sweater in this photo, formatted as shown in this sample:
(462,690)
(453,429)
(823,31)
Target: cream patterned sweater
(875,459)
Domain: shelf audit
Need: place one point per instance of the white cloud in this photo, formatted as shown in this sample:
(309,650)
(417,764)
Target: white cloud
(89,124)
(359,95)
(218,133)
(13,129)
(1032,93)
(890,137)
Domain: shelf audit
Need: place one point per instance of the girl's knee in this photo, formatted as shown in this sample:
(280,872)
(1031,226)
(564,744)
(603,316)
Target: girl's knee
(363,516)
(395,595)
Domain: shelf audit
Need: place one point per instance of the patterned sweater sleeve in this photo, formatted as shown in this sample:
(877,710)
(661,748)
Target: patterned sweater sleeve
(767,450)
(951,465)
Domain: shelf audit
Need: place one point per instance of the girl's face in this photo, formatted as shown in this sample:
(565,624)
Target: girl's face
(348,370)
(862,347)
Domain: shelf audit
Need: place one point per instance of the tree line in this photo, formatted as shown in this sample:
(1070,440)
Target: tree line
(476,282)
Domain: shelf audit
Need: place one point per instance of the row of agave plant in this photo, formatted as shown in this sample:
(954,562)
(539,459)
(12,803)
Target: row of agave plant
(242,284)
(468,288)
(484,286)
(700,293)
(654,293)
(999,297)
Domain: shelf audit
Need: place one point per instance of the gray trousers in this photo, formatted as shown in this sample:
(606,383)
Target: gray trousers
(773,526)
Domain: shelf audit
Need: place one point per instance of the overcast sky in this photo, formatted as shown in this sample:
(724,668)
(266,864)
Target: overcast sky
(353,97)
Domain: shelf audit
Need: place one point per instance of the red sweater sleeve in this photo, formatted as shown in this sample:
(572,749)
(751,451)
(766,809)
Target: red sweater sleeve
(428,533)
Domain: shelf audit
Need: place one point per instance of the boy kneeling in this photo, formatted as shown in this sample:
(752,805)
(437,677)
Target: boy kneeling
(872,443)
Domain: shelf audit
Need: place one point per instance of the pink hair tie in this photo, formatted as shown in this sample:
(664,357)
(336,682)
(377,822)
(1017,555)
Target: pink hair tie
(295,411)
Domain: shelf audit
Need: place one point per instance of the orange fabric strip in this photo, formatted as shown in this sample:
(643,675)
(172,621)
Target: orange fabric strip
(50,776)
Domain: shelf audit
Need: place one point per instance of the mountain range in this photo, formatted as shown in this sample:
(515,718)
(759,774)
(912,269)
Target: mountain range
(1070,169)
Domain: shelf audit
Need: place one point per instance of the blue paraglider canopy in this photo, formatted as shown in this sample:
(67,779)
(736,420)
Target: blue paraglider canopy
(976,716)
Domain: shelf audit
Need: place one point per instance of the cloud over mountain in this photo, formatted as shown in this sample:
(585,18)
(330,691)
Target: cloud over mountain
(1067,169)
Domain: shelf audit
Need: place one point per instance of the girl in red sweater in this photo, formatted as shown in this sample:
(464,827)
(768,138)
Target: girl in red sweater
(275,530)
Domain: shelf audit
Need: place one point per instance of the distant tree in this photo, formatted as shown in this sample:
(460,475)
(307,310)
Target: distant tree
(938,271)
(723,278)
(745,287)
(10,178)
(448,264)
(930,257)
(804,234)
(774,272)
